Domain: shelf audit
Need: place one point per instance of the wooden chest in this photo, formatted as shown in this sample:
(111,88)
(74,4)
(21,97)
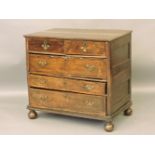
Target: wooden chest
(78,72)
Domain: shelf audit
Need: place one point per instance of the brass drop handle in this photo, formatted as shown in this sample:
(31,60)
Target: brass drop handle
(90,68)
(89,103)
(43,98)
(88,87)
(42,63)
(84,47)
(45,45)
(42,81)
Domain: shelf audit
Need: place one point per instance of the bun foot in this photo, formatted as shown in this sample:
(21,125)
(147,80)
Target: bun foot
(32,114)
(128,112)
(109,127)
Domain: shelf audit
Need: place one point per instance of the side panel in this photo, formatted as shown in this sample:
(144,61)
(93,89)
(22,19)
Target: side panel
(120,72)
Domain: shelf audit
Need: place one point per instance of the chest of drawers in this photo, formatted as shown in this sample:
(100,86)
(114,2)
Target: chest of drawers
(78,72)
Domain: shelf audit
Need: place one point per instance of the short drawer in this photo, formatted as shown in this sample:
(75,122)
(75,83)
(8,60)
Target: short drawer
(87,67)
(46,64)
(79,86)
(45,45)
(85,47)
(68,66)
(64,101)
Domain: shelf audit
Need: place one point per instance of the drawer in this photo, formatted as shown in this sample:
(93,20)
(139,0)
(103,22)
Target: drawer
(68,66)
(46,64)
(65,101)
(87,67)
(85,47)
(79,86)
(45,45)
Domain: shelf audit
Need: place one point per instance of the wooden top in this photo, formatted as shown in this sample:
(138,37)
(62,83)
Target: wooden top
(84,34)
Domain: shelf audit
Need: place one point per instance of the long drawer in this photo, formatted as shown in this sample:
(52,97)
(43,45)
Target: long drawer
(79,86)
(64,101)
(68,66)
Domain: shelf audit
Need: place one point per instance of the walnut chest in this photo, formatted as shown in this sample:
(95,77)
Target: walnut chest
(80,72)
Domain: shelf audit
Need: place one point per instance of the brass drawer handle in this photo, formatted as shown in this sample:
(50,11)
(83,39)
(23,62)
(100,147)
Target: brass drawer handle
(88,87)
(45,45)
(95,45)
(84,47)
(43,99)
(89,103)
(42,63)
(90,68)
(42,81)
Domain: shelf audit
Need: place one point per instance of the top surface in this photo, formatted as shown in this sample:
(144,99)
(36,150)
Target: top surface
(85,34)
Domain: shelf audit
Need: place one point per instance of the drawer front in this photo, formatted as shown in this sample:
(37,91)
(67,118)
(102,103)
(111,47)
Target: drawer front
(79,103)
(84,47)
(45,64)
(68,66)
(80,86)
(87,68)
(45,45)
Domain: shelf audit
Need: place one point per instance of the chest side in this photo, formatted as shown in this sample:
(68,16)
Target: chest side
(121,72)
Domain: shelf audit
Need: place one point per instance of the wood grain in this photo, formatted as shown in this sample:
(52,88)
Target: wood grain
(87,67)
(68,66)
(81,34)
(121,72)
(55,45)
(120,95)
(79,86)
(82,103)
(120,54)
(51,65)
(84,47)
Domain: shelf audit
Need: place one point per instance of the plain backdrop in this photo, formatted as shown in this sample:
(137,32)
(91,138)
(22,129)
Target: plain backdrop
(13,88)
